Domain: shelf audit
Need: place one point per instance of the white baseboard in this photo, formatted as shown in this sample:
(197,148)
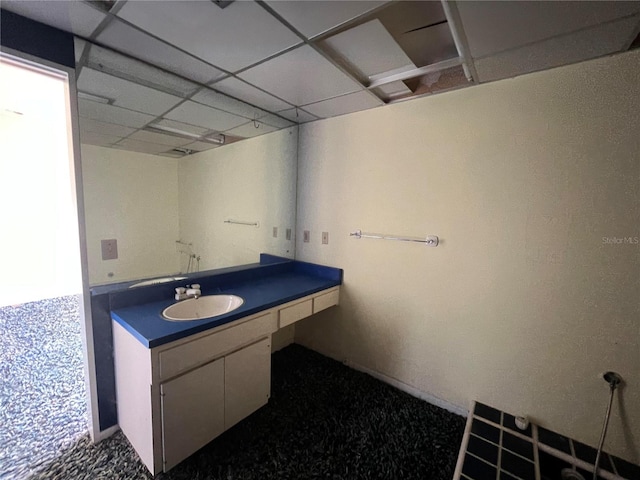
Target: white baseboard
(427,397)
(106,433)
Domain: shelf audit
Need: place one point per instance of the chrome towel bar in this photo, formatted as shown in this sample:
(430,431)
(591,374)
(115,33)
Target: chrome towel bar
(430,240)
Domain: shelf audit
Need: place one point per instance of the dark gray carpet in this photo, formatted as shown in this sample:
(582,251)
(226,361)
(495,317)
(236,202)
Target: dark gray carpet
(42,393)
(323,420)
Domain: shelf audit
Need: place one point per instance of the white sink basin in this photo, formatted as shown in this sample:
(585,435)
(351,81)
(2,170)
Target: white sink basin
(202,307)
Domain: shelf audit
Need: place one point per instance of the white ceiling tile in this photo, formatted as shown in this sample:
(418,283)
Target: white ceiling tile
(239,89)
(70,16)
(575,47)
(301,76)
(204,116)
(232,38)
(143,147)
(275,121)
(126,94)
(112,114)
(129,40)
(108,61)
(226,103)
(78,47)
(160,139)
(492,27)
(313,17)
(394,89)
(298,115)
(94,138)
(370,49)
(182,126)
(201,146)
(95,126)
(353,102)
(249,130)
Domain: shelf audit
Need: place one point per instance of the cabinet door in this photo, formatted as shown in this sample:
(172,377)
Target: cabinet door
(192,411)
(247,380)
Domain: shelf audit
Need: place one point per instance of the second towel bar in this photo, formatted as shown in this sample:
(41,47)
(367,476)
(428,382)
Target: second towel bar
(430,240)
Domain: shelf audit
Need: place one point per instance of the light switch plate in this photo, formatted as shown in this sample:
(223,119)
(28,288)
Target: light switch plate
(306,236)
(109,249)
(275,232)
(325,238)
(288,234)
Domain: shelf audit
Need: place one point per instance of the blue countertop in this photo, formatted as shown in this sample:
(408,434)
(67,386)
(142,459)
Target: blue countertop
(145,322)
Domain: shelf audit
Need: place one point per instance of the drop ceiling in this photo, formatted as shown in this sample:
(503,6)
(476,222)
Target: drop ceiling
(175,77)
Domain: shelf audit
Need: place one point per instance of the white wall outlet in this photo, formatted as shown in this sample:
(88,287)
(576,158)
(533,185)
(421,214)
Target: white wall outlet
(306,236)
(288,234)
(275,232)
(325,238)
(109,249)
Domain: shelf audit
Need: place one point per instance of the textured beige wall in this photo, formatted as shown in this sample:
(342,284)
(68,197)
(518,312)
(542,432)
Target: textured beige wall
(523,305)
(252,180)
(132,197)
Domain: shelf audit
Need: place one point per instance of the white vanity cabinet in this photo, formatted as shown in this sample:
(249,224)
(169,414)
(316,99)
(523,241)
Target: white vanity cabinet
(175,398)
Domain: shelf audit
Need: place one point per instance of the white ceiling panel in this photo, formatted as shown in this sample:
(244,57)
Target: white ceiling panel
(232,38)
(70,16)
(345,104)
(112,114)
(301,76)
(576,47)
(129,40)
(184,127)
(103,140)
(89,125)
(108,61)
(239,89)
(126,94)
(159,138)
(78,47)
(226,103)
(204,116)
(142,147)
(201,146)
(313,17)
(370,49)
(298,115)
(493,27)
(249,130)
(394,89)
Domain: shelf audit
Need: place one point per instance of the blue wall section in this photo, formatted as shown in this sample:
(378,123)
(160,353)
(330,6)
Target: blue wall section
(34,38)
(103,353)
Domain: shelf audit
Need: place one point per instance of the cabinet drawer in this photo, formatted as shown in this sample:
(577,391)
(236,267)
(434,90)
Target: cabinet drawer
(191,354)
(292,314)
(326,300)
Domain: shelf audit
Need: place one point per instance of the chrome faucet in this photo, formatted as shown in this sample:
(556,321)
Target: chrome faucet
(190,291)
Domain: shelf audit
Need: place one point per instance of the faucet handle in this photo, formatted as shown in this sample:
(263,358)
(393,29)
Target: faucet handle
(180,290)
(196,286)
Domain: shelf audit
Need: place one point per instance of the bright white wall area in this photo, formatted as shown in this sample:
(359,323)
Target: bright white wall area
(132,197)
(524,304)
(40,251)
(252,180)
